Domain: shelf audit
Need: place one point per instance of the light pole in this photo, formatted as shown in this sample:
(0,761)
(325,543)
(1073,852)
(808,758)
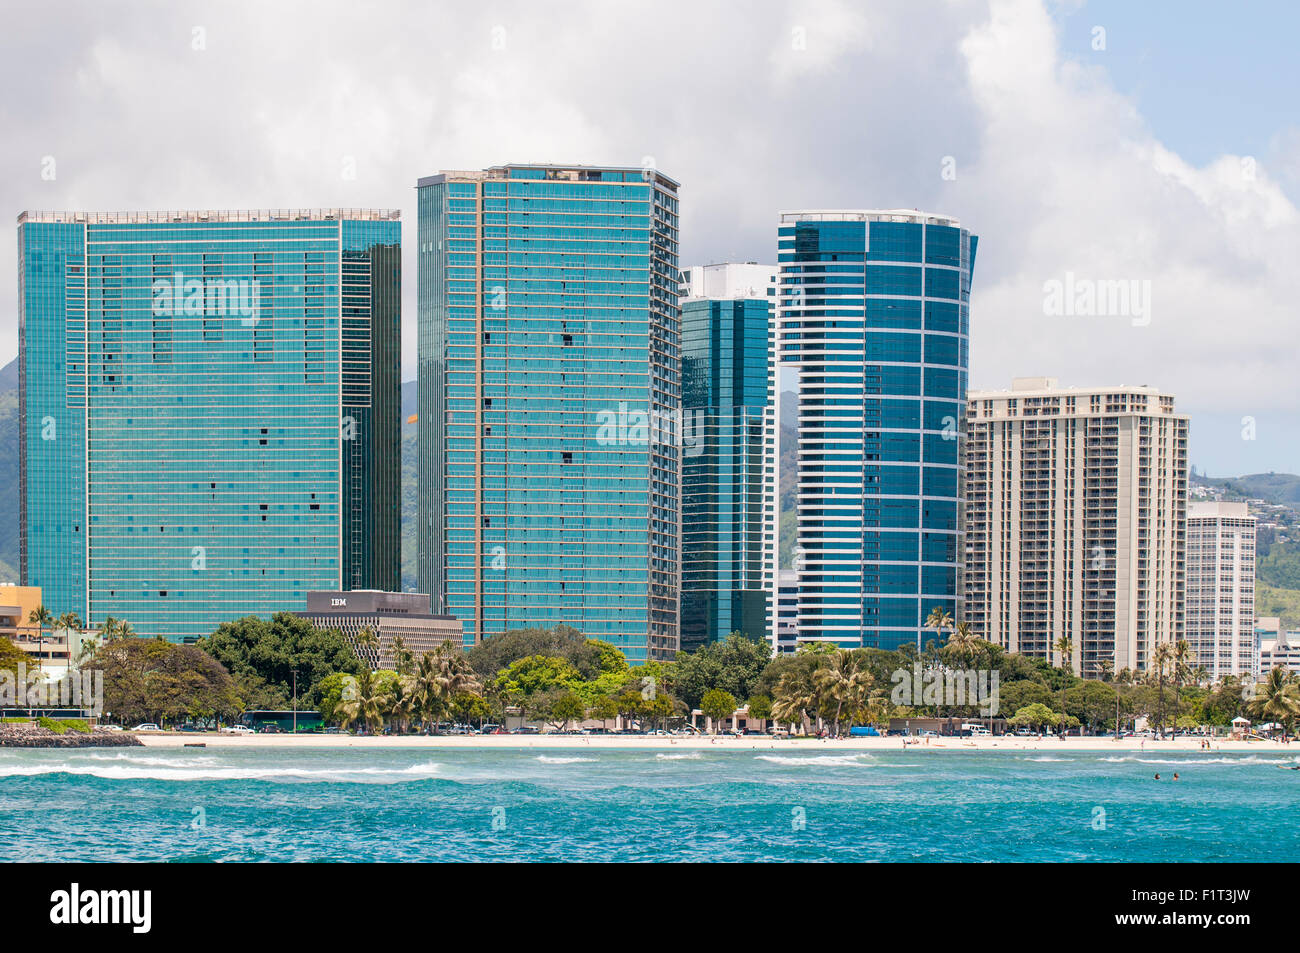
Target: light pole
(295,701)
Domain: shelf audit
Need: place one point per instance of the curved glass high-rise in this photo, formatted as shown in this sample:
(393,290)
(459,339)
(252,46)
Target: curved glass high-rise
(874,314)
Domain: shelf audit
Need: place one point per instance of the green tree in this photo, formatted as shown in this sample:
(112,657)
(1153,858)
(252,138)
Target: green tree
(1039,717)
(441,677)
(567,706)
(717,704)
(42,618)
(588,656)
(331,691)
(606,709)
(1158,665)
(939,619)
(1277,699)
(760,707)
(733,665)
(403,658)
(525,680)
(844,682)
(263,654)
(962,643)
(365,700)
(155,680)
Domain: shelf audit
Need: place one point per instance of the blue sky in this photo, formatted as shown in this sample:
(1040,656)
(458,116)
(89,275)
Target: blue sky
(1210,77)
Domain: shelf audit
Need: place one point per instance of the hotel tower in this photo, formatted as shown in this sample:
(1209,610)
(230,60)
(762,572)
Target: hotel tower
(874,316)
(549,397)
(209,408)
(1076,514)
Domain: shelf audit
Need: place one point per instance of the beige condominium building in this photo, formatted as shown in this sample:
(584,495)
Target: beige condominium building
(1221,588)
(1075,514)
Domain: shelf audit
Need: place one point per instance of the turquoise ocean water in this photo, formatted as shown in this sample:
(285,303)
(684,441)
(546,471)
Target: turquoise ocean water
(644,805)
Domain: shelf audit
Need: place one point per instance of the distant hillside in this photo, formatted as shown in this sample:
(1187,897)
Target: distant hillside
(789,409)
(1269,487)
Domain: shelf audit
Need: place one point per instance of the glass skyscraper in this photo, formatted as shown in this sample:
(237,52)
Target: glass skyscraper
(549,391)
(729,455)
(874,315)
(209,411)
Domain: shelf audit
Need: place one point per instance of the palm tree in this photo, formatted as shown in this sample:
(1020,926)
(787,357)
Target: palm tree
(1064,654)
(110,630)
(441,676)
(938,619)
(845,680)
(1158,668)
(1277,698)
(40,617)
(403,658)
(1106,672)
(1064,651)
(1180,664)
(368,643)
(794,697)
(363,700)
(963,641)
(406,702)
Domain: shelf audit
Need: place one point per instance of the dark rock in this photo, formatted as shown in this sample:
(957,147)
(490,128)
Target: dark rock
(30,735)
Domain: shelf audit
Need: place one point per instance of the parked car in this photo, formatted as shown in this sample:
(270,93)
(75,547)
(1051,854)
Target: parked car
(147,726)
(271,729)
(103,727)
(527,730)
(236,730)
(493,730)
(332,730)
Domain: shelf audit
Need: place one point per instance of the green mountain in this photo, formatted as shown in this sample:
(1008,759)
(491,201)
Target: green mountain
(1269,487)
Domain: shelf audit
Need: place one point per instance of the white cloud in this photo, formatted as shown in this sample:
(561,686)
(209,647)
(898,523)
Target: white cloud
(1072,179)
(1056,170)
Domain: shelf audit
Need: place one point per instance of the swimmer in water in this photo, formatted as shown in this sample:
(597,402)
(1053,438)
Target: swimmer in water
(1175,775)
(1157,777)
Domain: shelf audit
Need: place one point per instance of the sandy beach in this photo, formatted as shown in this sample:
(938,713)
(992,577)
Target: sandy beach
(747,743)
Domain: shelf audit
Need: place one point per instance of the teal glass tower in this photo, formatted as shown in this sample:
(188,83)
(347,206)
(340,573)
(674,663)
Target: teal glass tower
(209,411)
(874,315)
(549,390)
(729,460)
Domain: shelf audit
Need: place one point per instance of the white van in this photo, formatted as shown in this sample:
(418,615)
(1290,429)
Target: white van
(974,729)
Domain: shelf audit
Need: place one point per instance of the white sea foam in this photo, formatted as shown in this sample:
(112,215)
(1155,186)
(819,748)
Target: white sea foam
(830,760)
(548,759)
(164,770)
(1046,757)
(1193,760)
(687,756)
